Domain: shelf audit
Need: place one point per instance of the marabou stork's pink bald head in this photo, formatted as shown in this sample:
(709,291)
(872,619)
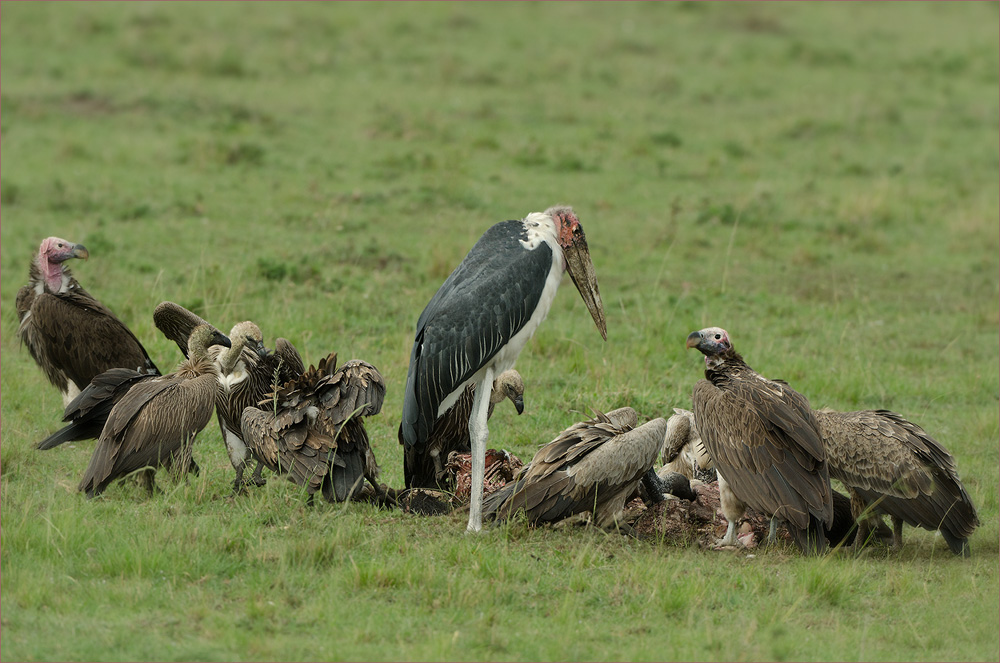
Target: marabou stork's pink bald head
(578,263)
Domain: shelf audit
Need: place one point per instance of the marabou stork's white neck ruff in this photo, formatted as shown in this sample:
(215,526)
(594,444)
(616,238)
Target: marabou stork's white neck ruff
(476,324)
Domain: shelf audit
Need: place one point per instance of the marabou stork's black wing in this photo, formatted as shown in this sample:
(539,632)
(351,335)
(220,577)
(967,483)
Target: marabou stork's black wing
(487,299)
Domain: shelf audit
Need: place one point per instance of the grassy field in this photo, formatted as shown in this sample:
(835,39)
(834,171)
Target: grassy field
(818,178)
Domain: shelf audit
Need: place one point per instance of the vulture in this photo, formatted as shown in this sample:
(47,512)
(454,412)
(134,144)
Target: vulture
(763,437)
(71,336)
(892,466)
(155,423)
(591,467)
(683,451)
(247,373)
(682,434)
(451,432)
(88,412)
(311,428)
(479,320)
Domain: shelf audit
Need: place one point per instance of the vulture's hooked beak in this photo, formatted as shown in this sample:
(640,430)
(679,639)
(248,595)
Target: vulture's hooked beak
(581,270)
(80,251)
(694,339)
(519,404)
(261,351)
(218,338)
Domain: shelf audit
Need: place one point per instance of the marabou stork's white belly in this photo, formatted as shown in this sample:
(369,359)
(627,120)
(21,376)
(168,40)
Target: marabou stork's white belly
(505,358)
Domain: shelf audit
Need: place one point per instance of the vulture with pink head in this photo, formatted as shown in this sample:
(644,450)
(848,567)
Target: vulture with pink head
(71,335)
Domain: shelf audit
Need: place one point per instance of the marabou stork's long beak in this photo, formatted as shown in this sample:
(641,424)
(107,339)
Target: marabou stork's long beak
(581,270)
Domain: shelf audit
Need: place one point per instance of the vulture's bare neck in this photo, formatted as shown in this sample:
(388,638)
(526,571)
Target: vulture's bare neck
(51,277)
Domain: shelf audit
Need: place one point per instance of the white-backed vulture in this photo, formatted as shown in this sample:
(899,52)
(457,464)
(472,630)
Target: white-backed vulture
(592,467)
(762,435)
(155,423)
(683,451)
(70,335)
(247,373)
(425,468)
(892,466)
(312,428)
(88,412)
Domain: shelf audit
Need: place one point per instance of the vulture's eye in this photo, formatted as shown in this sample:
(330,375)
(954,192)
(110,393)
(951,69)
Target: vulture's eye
(718,336)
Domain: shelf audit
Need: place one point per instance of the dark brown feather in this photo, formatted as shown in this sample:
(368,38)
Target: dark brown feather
(893,466)
(312,428)
(762,435)
(72,336)
(155,423)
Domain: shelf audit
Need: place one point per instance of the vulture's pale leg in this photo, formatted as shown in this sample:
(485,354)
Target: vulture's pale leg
(72,391)
(478,433)
(772,531)
(730,538)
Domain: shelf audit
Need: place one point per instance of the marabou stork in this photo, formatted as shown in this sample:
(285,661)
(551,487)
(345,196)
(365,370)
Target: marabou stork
(476,324)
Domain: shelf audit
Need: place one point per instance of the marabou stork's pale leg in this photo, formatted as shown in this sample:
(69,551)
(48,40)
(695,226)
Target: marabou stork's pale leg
(478,434)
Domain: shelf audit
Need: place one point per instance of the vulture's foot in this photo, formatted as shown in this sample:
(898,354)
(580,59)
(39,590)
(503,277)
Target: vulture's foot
(257,479)
(729,540)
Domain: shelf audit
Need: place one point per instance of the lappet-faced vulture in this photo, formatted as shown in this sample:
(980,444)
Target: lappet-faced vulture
(763,437)
(312,428)
(591,467)
(892,466)
(72,336)
(682,437)
(88,412)
(476,324)
(155,423)
(451,432)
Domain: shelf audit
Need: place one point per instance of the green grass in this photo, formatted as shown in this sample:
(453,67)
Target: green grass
(819,179)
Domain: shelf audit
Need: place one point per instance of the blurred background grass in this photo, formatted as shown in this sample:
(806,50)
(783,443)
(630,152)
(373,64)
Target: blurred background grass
(818,178)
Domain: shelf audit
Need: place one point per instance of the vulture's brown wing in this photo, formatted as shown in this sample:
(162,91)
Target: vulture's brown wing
(894,465)
(260,435)
(77,335)
(764,439)
(361,389)
(89,411)
(153,420)
(25,298)
(177,323)
(589,467)
(290,361)
(866,450)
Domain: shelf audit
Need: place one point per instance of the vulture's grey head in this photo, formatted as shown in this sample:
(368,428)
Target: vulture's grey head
(509,385)
(203,337)
(713,342)
(248,335)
